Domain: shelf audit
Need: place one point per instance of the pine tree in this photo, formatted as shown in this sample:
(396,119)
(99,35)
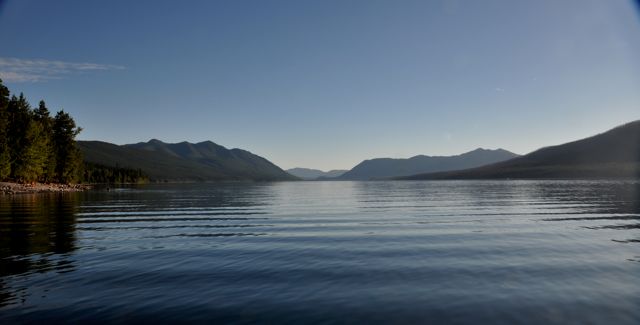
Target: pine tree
(68,156)
(42,116)
(33,145)
(5,158)
(19,117)
(33,155)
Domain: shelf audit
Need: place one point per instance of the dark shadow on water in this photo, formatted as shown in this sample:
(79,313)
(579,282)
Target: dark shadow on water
(37,235)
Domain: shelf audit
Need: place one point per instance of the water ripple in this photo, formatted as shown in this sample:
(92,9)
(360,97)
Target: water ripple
(317,252)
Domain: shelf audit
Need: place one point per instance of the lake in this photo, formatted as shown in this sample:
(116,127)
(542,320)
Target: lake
(332,252)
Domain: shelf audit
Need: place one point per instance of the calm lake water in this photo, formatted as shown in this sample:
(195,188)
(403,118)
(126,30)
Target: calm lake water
(344,252)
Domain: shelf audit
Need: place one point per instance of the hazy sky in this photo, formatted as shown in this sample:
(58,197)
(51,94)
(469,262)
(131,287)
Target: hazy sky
(326,84)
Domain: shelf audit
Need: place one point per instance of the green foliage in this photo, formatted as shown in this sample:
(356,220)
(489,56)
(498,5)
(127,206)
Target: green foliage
(67,155)
(5,163)
(41,115)
(33,145)
(32,160)
(97,173)
(19,112)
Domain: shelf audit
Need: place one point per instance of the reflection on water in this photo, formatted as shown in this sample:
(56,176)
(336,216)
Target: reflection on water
(460,251)
(37,233)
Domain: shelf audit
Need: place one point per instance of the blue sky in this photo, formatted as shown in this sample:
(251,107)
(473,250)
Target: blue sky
(326,84)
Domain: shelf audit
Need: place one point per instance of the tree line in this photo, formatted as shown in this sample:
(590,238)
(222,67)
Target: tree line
(97,173)
(38,147)
(34,146)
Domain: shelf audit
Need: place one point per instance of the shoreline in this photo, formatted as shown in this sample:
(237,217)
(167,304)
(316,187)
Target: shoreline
(10,188)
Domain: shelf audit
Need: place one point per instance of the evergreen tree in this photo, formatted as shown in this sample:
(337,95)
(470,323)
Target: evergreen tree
(5,158)
(68,156)
(33,145)
(41,115)
(19,117)
(96,173)
(33,155)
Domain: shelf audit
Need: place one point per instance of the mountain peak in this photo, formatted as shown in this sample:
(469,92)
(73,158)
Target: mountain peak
(313,174)
(184,161)
(480,149)
(612,154)
(183,143)
(387,168)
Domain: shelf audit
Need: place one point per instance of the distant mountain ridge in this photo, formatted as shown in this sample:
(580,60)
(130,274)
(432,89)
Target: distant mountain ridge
(381,168)
(612,154)
(312,174)
(184,161)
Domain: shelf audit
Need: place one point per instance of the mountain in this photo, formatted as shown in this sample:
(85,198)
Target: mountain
(184,161)
(388,167)
(311,174)
(613,154)
(334,173)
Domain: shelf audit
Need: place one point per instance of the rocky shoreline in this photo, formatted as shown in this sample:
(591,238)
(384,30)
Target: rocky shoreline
(7,188)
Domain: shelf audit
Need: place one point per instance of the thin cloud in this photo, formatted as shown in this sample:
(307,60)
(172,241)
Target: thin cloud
(36,70)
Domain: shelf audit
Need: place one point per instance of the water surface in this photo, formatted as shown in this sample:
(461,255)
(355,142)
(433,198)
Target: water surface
(344,252)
